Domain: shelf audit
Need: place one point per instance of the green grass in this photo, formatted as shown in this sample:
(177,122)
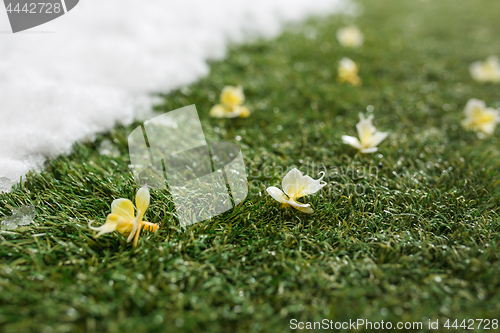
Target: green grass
(418,241)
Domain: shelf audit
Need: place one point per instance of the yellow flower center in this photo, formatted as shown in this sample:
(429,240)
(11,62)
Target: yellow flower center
(230,98)
(479,117)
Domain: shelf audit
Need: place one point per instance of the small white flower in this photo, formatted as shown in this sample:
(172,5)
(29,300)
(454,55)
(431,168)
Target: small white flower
(350,37)
(369,137)
(486,71)
(348,72)
(480,118)
(295,186)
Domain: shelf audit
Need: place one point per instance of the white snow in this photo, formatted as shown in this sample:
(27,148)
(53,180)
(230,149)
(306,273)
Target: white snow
(82,73)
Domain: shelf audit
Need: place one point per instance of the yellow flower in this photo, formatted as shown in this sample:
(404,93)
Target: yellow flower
(122,217)
(348,72)
(480,118)
(369,137)
(232,96)
(295,186)
(231,99)
(350,37)
(486,71)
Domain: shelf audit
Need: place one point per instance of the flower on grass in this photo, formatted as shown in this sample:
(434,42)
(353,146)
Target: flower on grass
(231,99)
(123,220)
(486,71)
(369,137)
(348,72)
(295,186)
(480,118)
(350,37)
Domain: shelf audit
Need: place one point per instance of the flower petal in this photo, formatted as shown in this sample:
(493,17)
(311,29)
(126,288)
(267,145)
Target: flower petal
(369,150)
(486,71)
(218,111)
(295,185)
(135,227)
(365,129)
(476,71)
(352,141)
(279,196)
(350,37)
(377,138)
(497,116)
(291,181)
(136,237)
(472,106)
(124,226)
(142,202)
(221,111)
(123,207)
(244,112)
(108,227)
(232,96)
(296,204)
(305,208)
(276,193)
(488,128)
(348,65)
(488,120)
(467,123)
(233,112)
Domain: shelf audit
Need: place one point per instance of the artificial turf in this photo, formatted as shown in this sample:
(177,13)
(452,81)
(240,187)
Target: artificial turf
(409,233)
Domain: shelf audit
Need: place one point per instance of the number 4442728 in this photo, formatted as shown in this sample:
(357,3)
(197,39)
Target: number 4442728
(471,324)
(35,8)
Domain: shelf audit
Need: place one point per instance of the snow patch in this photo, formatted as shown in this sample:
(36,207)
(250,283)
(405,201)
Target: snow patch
(94,67)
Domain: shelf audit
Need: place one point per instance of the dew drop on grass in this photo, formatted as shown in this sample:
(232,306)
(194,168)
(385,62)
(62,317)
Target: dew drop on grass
(158,319)
(398,311)
(179,322)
